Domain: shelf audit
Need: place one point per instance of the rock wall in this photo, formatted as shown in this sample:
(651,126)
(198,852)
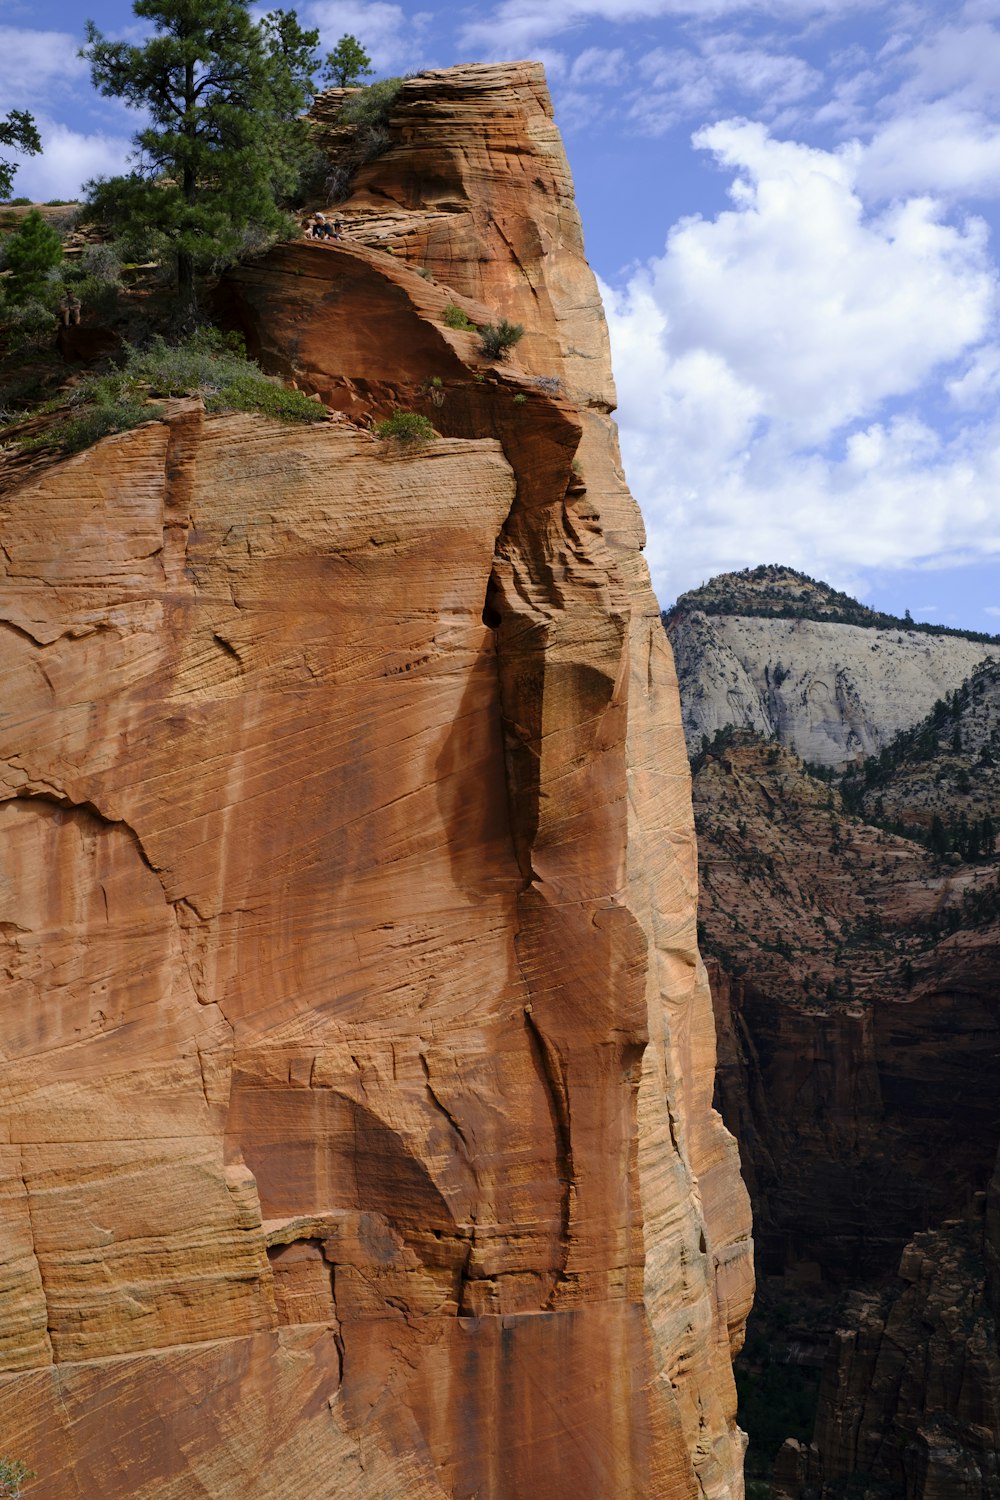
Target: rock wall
(911,1389)
(831,692)
(854,979)
(357,1132)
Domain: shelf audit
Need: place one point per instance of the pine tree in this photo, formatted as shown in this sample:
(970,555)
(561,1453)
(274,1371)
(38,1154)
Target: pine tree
(31,251)
(16,129)
(348,63)
(223,145)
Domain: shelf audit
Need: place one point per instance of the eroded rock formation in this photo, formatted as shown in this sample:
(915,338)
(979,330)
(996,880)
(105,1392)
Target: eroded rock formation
(357,1130)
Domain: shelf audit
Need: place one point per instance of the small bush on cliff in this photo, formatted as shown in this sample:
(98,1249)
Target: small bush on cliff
(454,317)
(207,364)
(103,419)
(13,1476)
(496,340)
(406,427)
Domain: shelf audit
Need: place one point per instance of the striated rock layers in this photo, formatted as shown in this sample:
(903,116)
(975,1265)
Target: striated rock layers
(357,1135)
(783,657)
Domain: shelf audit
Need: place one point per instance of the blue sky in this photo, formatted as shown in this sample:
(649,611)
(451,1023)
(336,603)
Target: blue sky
(793,207)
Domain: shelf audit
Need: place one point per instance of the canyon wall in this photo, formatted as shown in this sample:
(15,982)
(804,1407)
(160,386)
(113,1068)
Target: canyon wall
(854,975)
(357,1132)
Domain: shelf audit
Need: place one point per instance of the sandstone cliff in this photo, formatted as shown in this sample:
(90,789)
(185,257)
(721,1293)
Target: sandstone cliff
(783,657)
(357,1135)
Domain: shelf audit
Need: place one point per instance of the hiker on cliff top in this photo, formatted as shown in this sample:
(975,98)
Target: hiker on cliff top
(322,229)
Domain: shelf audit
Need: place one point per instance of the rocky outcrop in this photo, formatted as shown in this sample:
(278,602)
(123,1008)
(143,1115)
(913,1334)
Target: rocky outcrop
(357,1133)
(796,668)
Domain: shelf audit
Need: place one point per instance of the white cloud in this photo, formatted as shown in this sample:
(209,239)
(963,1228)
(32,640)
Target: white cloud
(598,65)
(978,384)
(519,25)
(755,357)
(33,61)
(678,82)
(69,159)
(936,148)
(393,39)
(826,311)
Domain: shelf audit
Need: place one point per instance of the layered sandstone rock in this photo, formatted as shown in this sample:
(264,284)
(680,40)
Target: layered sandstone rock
(358,1136)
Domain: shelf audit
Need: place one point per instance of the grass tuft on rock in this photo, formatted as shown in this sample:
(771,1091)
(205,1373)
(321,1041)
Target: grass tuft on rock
(405,427)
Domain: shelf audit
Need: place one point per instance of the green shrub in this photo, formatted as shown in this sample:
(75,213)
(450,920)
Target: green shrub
(103,419)
(406,427)
(454,317)
(30,253)
(371,106)
(208,364)
(27,325)
(496,340)
(13,1474)
(520,399)
(369,110)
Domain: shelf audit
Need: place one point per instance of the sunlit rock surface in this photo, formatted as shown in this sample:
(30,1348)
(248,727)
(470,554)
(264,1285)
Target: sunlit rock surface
(357,1136)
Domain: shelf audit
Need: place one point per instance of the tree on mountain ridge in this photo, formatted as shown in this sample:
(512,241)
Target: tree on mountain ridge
(348,63)
(225,143)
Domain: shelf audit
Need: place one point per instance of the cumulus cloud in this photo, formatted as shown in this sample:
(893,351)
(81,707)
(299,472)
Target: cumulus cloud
(772,367)
(937,148)
(70,158)
(393,39)
(31,61)
(520,25)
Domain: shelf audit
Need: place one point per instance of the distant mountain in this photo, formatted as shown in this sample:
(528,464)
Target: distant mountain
(775,652)
(771,591)
(943,771)
(849,917)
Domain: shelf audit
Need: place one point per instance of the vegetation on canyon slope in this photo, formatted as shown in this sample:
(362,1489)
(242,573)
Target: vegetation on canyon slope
(852,925)
(207,364)
(224,145)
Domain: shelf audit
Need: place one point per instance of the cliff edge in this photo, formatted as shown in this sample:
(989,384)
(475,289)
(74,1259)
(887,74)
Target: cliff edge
(357,1135)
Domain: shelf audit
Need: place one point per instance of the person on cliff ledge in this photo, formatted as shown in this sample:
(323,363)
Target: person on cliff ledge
(69,310)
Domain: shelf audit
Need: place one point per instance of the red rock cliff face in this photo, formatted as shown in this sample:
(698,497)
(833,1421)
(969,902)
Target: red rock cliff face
(357,1133)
